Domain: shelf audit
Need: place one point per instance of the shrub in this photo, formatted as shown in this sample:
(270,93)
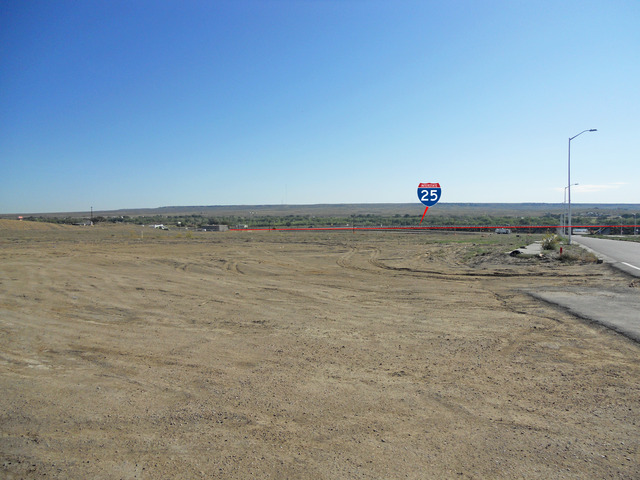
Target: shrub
(550,241)
(578,256)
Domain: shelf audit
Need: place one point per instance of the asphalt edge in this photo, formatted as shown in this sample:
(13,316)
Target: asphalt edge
(610,326)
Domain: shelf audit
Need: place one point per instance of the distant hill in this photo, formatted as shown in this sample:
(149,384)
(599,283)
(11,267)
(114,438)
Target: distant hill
(347,209)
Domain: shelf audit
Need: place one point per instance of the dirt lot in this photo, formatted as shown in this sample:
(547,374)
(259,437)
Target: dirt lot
(134,353)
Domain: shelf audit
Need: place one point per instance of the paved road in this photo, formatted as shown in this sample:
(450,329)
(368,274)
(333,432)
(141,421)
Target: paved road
(621,254)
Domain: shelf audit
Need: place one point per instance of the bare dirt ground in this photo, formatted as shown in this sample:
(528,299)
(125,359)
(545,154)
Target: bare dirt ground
(303,355)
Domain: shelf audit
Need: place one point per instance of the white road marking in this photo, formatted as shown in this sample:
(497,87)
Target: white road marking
(629,265)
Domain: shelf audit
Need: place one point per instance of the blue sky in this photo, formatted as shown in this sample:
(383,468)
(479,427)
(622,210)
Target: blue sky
(128,104)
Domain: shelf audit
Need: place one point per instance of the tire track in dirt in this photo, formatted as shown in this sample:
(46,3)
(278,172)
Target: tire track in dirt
(232,266)
(462,275)
(347,260)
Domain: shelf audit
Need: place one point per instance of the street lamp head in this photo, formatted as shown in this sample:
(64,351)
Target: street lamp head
(584,131)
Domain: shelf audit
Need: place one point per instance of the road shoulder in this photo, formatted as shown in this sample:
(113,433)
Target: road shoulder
(617,309)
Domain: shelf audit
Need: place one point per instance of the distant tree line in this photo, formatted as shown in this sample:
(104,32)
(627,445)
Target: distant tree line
(357,220)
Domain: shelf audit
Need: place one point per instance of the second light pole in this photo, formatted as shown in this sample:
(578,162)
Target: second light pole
(569,177)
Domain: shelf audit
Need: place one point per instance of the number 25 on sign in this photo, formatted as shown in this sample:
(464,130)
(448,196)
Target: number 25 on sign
(429,194)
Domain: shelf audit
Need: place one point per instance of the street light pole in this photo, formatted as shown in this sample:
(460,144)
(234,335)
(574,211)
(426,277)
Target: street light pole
(569,177)
(564,202)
